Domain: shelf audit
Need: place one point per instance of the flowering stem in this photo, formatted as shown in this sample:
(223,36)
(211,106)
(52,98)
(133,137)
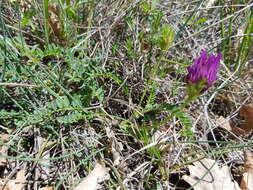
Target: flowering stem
(201,76)
(182,106)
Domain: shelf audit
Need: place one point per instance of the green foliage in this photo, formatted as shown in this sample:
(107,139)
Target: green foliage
(166,37)
(152,96)
(185,121)
(175,111)
(247,43)
(236,51)
(70,62)
(160,35)
(130,49)
(196,21)
(70,118)
(26,19)
(69,105)
(149,6)
(60,110)
(46,17)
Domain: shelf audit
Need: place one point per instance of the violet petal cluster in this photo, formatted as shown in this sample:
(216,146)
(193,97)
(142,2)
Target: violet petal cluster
(204,68)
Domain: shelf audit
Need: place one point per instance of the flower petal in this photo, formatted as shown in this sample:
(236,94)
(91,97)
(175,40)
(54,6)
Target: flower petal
(204,67)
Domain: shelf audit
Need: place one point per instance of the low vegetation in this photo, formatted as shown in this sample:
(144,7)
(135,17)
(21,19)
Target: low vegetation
(109,84)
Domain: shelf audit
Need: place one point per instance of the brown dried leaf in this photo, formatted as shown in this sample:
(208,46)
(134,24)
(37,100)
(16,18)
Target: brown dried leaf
(207,175)
(93,180)
(54,21)
(146,46)
(247,113)
(247,179)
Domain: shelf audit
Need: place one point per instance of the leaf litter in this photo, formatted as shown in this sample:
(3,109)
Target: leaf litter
(246,112)
(247,179)
(92,182)
(245,128)
(3,150)
(116,146)
(206,174)
(16,184)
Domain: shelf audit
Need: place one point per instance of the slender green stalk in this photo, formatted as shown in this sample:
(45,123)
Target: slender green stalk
(247,42)
(170,117)
(46,17)
(68,2)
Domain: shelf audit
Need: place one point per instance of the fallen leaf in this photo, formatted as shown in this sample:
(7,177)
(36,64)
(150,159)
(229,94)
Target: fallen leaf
(247,179)
(247,113)
(116,146)
(223,123)
(93,180)
(54,20)
(4,150)
(5,137)
(20,180)
(207,175)
(17,184)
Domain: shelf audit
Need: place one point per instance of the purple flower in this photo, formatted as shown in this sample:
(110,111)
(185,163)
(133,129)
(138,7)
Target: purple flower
(204,70)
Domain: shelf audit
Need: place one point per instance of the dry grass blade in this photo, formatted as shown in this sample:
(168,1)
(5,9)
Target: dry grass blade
(17,84)
(47,188)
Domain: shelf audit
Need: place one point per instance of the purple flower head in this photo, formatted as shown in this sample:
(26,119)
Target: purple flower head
(204,69)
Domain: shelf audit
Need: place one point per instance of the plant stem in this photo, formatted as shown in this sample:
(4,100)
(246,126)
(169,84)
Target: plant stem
(182,106)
